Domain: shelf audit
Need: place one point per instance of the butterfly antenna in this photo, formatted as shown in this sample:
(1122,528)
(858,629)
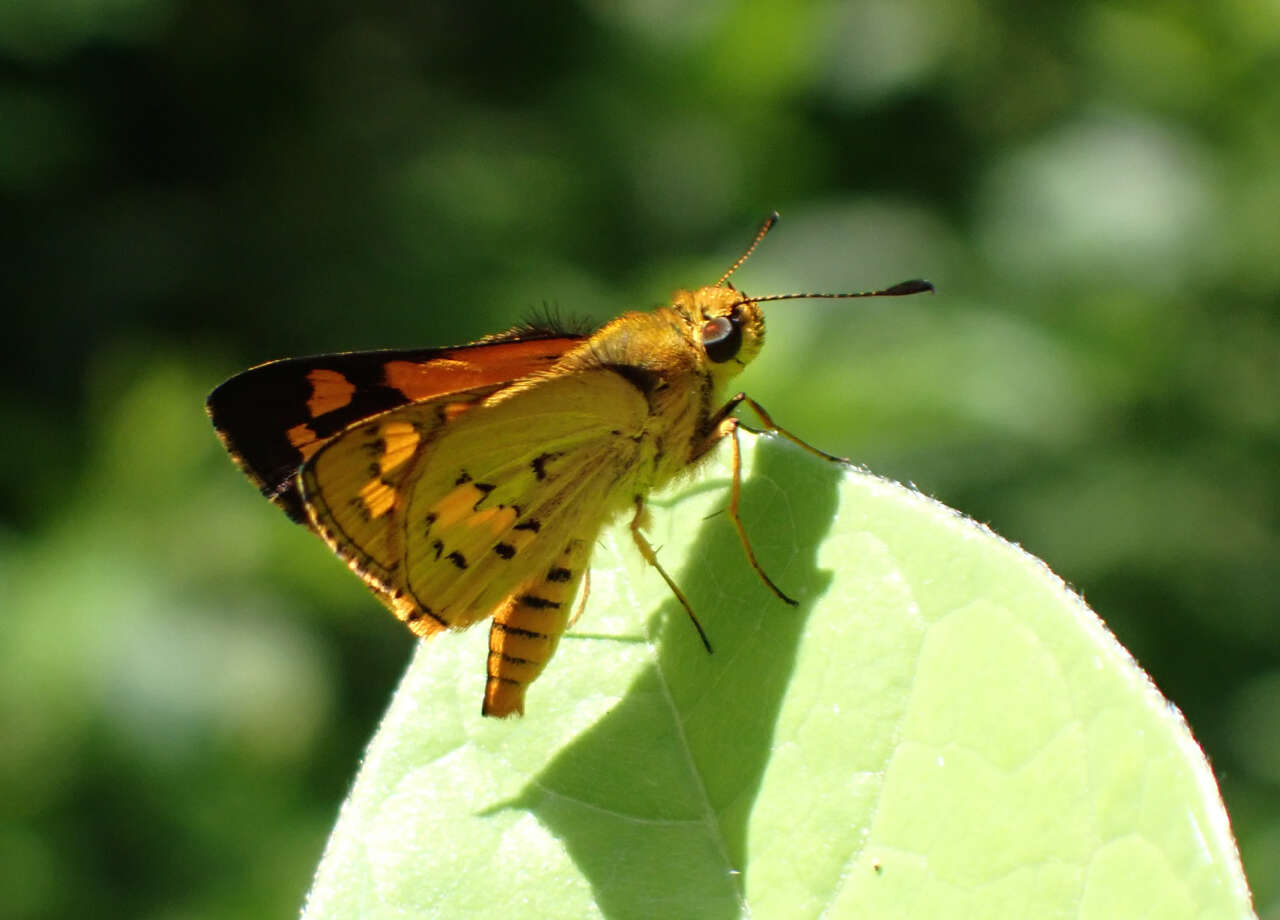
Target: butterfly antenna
(760,234)
(915,286)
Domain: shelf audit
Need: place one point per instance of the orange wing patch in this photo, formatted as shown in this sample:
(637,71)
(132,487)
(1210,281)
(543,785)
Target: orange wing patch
(330,391)
(478,365)
(304,438)
(399,441)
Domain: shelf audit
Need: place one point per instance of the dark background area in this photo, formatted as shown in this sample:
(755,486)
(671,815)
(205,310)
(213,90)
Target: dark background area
(193,187)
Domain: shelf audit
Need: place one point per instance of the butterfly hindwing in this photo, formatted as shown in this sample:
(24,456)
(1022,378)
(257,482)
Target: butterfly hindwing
(447,520)
(273,417)
(355,488)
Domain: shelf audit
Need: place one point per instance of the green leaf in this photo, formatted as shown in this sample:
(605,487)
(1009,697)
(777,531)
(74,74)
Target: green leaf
(940,729)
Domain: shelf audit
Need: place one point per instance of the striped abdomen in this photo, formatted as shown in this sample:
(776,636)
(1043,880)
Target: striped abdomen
(526,629)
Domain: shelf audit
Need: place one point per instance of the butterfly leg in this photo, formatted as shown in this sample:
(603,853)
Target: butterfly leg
(582,598)
(726,425)
(527,628)
(766,419)
(651,557)
(735,496)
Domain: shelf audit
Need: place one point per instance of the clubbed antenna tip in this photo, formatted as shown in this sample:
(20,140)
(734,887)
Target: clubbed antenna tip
(915,286)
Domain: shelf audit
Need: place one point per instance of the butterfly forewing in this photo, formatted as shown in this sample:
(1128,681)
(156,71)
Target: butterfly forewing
(274,417)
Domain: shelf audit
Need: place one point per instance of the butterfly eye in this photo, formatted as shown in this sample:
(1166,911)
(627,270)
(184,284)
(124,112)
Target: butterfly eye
(721,338)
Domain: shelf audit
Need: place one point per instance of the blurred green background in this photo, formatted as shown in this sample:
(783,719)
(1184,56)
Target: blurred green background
(194,186)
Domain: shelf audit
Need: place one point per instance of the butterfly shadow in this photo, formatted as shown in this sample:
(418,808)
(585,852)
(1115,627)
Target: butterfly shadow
(663,786)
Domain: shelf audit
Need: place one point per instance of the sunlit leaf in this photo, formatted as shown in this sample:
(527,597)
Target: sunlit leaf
(941,729)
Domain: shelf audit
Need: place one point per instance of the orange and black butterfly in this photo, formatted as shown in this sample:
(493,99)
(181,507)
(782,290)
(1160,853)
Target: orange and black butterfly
(471,482)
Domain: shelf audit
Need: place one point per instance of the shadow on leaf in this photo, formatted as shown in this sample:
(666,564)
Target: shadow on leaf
(663,786)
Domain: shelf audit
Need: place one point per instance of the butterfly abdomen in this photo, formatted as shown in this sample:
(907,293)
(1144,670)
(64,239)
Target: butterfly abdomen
(526,630)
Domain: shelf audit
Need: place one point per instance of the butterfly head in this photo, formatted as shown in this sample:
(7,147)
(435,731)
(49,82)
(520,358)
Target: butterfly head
(728,328)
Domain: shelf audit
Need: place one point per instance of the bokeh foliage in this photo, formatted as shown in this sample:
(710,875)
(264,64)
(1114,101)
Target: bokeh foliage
(193,187)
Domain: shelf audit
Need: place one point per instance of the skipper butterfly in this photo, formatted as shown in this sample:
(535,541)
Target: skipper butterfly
(471,482)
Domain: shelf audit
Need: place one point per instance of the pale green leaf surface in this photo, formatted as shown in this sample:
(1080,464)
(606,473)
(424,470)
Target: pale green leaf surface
(941,729)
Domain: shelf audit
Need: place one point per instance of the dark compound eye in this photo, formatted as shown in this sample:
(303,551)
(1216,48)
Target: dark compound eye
(721,338)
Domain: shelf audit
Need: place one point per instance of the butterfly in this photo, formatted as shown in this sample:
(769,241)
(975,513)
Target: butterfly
(471,482)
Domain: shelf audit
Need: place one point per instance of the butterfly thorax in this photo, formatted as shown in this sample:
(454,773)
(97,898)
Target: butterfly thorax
(680,360)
